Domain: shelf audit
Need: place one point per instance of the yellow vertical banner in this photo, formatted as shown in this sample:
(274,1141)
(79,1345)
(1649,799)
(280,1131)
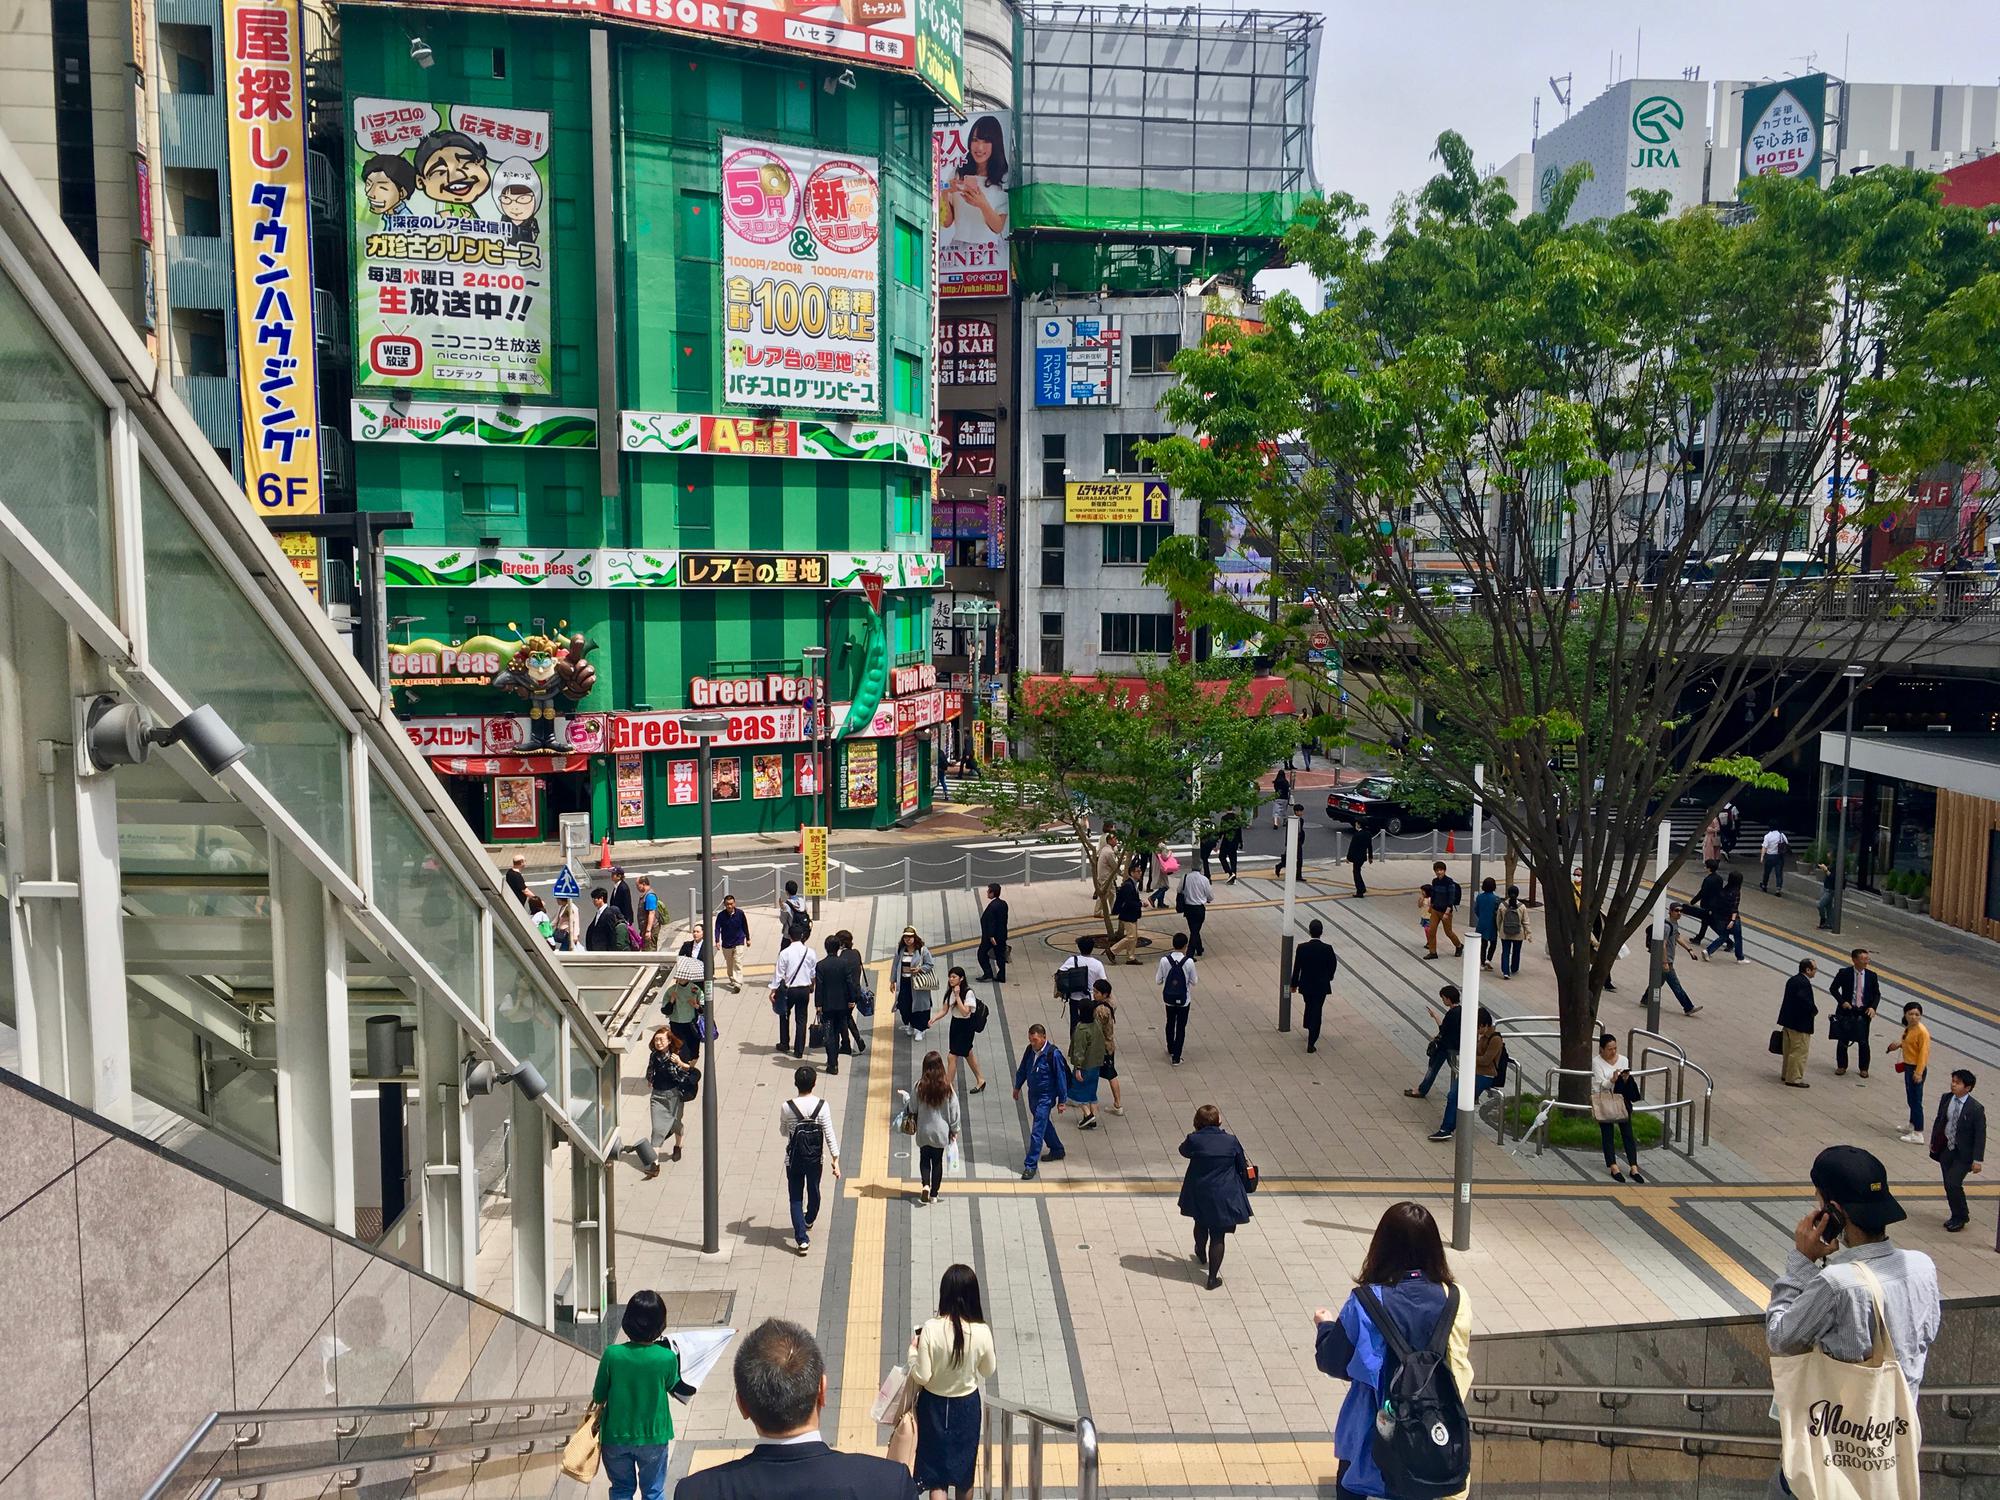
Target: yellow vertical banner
(263,88)
(812,852)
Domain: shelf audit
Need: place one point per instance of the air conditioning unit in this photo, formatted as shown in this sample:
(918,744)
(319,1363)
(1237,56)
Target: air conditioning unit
(335,467)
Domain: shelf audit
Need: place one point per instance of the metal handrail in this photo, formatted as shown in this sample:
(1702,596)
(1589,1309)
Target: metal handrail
(1039,1422)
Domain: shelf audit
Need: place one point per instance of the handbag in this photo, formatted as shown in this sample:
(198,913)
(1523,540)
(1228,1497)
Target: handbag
(907,1122)
(1840,1025)
(1777,1041)
(923,979)
(1848,1431)
(1609,1107)
(582,1453)
(903,1441)
(1170,864)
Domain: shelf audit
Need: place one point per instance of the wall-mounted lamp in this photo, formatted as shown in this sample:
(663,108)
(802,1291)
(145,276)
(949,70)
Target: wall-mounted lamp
(482,1077)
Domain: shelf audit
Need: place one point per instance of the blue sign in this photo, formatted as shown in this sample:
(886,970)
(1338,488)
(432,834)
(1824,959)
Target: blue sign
(566,888)
(1051,377)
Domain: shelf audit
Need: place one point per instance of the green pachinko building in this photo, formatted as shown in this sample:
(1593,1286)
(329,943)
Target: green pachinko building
(643,309)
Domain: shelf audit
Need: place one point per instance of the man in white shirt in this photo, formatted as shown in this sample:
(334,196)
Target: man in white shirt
(1175,976)
(791,986)
(1775,847)
(806,1125)
(1078,974)
(1196,893)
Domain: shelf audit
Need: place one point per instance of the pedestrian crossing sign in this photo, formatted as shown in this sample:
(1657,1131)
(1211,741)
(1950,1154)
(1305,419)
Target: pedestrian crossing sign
(566,888)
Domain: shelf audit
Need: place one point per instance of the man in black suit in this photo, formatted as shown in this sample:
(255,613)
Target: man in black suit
(781,1388)
(602,933)
(1856,994)
(621,893)
(1313,968)
(993,937)
(839,987)
(1958,1143)
(1796,1013)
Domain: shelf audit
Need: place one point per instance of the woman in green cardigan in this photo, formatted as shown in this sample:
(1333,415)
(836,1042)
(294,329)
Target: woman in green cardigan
(1089,1047)
(635,1424)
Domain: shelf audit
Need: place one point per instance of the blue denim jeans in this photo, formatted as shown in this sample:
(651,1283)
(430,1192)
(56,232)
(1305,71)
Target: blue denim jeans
(802,1188)
(1733,933)
(1430,1074)
(1673,982)
(636,1471)
(1913,1091)
(1481,1082)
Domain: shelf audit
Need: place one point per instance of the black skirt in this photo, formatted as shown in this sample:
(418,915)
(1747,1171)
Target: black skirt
(960,1040)
(947,1441)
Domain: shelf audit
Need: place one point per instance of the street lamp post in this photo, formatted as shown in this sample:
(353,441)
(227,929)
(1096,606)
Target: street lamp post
(816,670)
(1853,675)
(1466,1083)
(705,727)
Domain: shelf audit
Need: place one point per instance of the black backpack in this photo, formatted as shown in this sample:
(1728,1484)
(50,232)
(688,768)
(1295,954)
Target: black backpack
(1173,989)
(807,1142)
(979,1016)
(1073,979)
(799,926)
(1423,1442)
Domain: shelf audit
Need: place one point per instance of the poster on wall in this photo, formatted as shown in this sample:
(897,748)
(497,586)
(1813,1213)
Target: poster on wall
(908,783)
(767,777)
(726,783)
(805,774)
(514,805)
(862,765)
(631,791)
(971,159)
(683,784)
(971,444)
(801,277)
(451,264)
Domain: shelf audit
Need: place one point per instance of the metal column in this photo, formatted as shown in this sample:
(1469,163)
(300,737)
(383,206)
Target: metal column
(309,987)
(449,1179)
(530,1200)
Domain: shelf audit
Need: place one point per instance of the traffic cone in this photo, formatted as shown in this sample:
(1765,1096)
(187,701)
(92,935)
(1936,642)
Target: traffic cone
(1450,842)
(604,854)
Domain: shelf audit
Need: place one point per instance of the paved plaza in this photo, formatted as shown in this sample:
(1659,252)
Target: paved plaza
(1095,1302)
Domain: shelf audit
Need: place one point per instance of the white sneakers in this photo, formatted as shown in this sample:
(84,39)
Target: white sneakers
(1914,1137)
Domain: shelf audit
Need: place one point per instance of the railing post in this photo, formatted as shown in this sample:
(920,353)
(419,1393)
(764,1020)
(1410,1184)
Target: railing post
(843,882)
(909,907)
(725,885)
(1007,1456)
(968,869)
(1034,1459)
(1027,867)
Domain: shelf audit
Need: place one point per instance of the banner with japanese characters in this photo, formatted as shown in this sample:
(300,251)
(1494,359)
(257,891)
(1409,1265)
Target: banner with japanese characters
(970,158)
(265,113)
(451,259)
(801,277)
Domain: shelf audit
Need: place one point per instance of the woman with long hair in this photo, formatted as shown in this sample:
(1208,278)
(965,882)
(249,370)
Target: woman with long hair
(962,1006)
(936,1105)
(912,974)
(1215,1193)
(667,1077)
(950,1355)
(1405,1279)
(972,206)
(635,1422)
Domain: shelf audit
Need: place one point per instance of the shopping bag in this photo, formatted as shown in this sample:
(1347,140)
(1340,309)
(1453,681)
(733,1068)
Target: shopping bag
(1170,864)
(903,1441)
(1848,1431)
(897,1396)
(581,1453)
(954,1159)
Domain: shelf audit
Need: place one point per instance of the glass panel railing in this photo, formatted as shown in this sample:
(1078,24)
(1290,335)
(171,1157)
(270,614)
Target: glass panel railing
(433,911)
(524,1020)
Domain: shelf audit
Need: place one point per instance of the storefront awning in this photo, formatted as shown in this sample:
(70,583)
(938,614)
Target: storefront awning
(1268,694)
(507,765)
(1968,763)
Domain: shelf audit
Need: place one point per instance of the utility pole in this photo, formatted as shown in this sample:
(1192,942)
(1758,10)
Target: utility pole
(1468,1045)
(1657,923)
(705,727)
(1853,675)
(1293,831)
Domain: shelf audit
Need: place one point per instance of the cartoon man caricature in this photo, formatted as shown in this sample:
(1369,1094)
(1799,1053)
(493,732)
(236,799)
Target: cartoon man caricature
(452,167)
(387,182)
(517,192)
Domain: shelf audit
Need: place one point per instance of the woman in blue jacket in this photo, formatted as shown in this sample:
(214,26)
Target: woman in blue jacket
(1405,1266)
(1216,1191)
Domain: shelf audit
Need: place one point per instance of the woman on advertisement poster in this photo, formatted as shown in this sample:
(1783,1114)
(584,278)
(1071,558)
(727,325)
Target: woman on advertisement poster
(972,202)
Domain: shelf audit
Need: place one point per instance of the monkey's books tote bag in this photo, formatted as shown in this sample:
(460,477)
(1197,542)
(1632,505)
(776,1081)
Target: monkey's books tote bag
(1848,1432)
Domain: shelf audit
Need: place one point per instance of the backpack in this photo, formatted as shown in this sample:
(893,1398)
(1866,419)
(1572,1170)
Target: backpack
(980,1014)
(1512,924)
(622,935)
(1173,989)
(1422,1440)
(807,1142)
(798,925)
(1072,979)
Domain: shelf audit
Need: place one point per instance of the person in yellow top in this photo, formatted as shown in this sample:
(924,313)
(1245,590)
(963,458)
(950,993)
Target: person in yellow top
(952,1354)
(1915,1045)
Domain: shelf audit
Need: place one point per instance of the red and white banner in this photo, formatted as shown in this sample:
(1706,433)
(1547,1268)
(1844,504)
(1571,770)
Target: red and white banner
(507,765)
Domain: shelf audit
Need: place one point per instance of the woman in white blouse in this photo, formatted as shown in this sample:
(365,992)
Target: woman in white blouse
(953,1353)
(1607,1070)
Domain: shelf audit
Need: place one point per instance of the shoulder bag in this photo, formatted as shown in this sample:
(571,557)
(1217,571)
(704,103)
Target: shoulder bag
(582,1454)
(1848,1431)
(1609,1107)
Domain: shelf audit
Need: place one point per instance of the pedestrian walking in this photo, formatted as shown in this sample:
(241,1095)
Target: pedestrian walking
(1215,1190)
(1176,978)
(517,878)
(1775,847)
(1958,1143)
(1489,1069)
(538,917)
(1230,845)
(1281,789)
(670,1084)
(635,1419)
(1439,1050)
(1163,867)
(1100,995)
(1711,843)
(1729,827)
(1192,903)
(935,1111)
(732,935)
(1613,1091)
(1314,963)
(837,989)
(1444,898)
(993,938)
(1914,1064)
(951,1354)
(652,920)
(1705,898)
(806,1126)
(1856,995)
(1087,1052)
(1076,975)
(1298,846)
(569,926)
(1111,866)
(791,987)
(1796,1014)
(793,915)
(607,928)
(1725,914)
(912,975)
(1044,1073)
(621,894)
(1486,919)
(1514,931)
(1668,952)
(967,1015)
(684,1004)
(1825,898)
(1403,1293)
(1127,908)
(1205,848)
(1845,1285)
(1360,850)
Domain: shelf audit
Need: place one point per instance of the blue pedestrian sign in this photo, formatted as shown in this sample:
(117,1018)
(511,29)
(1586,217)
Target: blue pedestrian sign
(566,888)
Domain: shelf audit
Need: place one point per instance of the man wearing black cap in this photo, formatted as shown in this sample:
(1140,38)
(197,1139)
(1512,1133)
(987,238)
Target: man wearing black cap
(1818,1304)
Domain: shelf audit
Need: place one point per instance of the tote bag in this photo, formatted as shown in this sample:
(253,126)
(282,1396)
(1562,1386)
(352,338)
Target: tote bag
(581,1453)
(1848,1432)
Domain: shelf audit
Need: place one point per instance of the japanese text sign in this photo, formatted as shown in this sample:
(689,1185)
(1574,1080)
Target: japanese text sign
(971,160)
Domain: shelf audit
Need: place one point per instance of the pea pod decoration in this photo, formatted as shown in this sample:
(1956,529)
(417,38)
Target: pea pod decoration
(874,678)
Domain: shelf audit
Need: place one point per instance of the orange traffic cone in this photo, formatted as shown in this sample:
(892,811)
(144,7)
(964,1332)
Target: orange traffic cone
(604,854)
(1450,843)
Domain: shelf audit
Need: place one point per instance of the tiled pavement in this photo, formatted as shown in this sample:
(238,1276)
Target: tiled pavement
(1095,1303)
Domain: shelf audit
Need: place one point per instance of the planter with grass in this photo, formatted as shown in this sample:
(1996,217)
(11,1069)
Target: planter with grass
(1575,1129)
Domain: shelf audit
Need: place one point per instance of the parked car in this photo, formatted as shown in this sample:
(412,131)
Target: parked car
(1372,802)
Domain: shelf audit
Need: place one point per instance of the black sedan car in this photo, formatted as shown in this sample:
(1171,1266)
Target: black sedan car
(1372,803)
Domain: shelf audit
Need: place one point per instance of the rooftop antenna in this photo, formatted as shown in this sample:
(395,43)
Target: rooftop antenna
(1691,73)
(1562,88)
(1536,134)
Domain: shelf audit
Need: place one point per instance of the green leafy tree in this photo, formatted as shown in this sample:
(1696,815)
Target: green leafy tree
(1180,752)
(1623,435)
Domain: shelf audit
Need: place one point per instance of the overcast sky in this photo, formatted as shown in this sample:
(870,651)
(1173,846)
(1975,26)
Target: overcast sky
(1393,73)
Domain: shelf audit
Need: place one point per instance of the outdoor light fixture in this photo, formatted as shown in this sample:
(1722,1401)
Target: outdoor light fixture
(121,733)
(482,1077)
(704,725)
(420,52)
(835,82)
(642,1151)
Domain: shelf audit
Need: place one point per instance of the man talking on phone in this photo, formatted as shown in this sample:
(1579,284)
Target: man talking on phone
(1819,1302)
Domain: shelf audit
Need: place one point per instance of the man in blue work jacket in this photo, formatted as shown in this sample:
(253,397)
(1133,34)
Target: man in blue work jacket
(1045,1075)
